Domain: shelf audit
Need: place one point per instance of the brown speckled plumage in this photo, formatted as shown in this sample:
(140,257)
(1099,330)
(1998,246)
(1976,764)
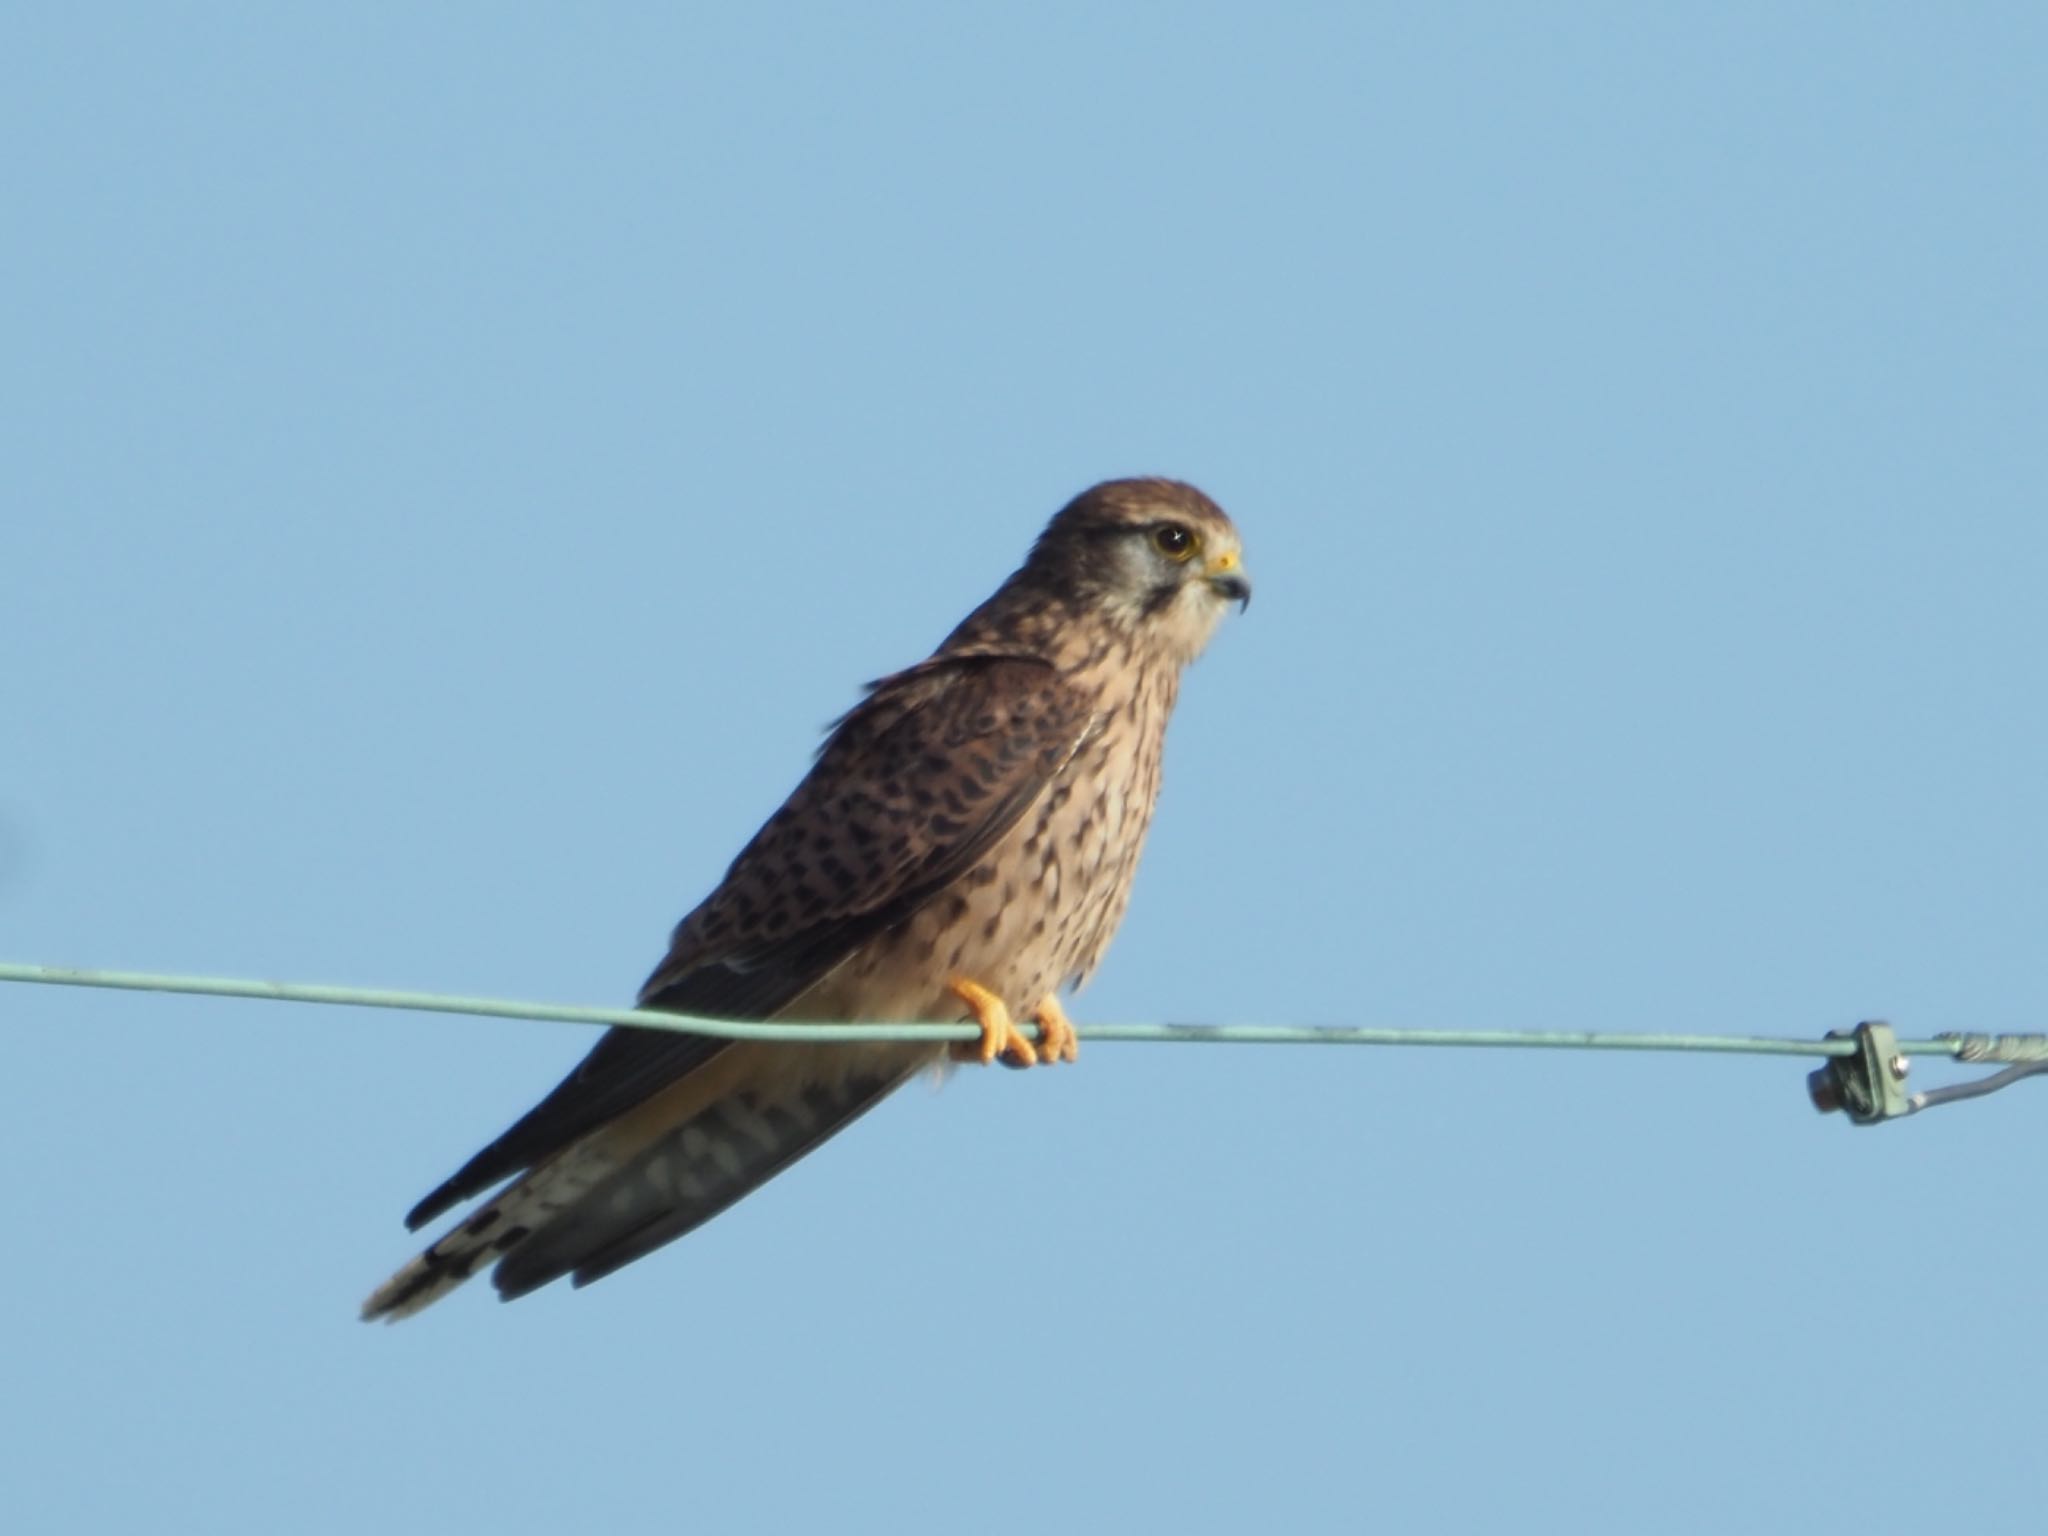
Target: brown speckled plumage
(977,816)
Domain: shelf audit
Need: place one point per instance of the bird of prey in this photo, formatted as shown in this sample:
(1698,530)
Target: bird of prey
(961,850)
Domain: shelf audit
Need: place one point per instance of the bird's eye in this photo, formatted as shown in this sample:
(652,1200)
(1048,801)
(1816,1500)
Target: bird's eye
(1173,541)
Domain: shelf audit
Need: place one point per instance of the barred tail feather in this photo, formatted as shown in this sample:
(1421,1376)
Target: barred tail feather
(611,1198)
(689,1176)
(441,1267)
(489,1233)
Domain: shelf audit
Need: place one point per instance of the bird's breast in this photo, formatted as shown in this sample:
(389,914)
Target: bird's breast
(1039,909)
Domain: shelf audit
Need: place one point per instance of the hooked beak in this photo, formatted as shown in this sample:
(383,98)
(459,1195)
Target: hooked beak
(1229,581)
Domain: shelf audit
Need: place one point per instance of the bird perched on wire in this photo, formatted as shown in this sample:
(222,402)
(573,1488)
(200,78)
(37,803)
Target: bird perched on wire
(962,848)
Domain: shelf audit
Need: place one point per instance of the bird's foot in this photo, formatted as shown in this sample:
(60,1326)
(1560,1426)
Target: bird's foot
(999,1036)
(1056,1038)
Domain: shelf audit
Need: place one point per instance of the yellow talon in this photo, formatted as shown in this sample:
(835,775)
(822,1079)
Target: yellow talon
(999,1036)
(1056,1040)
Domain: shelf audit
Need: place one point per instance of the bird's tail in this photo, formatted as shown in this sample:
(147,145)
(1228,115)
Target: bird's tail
(488,1234)
(691,1174)
(639,1183)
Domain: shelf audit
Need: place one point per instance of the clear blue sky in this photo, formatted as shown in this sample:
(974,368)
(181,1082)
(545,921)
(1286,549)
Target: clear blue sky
(454,460)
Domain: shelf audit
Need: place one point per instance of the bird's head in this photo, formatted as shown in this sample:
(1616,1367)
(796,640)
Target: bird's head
(1155,558)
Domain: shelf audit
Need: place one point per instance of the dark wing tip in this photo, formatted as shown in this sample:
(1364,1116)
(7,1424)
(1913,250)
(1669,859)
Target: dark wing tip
(444,1199)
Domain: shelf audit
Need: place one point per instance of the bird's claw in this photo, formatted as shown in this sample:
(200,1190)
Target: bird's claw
(999,1034)
(1000,1037)
(1056,1038)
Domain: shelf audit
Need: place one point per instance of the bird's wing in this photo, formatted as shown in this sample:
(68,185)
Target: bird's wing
(910,790)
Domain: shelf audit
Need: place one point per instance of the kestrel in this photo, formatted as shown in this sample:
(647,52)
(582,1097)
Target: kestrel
(961,849)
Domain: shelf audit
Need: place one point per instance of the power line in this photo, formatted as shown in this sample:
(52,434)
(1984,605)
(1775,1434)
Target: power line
(1863,1069)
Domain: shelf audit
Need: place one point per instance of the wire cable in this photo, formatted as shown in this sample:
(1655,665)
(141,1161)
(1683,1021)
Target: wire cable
(1844,1053)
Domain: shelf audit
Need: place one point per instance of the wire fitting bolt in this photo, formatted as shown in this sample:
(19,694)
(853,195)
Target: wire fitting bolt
(1867,1085)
